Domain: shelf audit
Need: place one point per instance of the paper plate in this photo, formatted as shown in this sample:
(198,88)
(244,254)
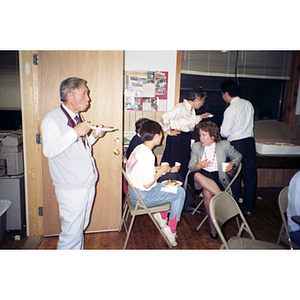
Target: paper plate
(102,129)
(173,183)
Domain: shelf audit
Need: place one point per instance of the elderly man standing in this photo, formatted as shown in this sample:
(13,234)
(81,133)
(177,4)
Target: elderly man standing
(68,146)
(237,127)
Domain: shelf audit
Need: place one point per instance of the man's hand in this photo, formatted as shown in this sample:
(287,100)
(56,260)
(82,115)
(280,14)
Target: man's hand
(98,133)
(82,128)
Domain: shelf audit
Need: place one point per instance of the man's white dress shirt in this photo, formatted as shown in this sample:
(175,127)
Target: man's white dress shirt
(238,120)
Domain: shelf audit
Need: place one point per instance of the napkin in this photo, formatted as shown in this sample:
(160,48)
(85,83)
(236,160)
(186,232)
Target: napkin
(169,189)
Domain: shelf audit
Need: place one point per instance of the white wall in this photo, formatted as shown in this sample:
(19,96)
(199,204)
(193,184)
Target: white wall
(154,61)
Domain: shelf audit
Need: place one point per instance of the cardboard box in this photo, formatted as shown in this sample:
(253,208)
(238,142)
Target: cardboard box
(273,131)
(275,138)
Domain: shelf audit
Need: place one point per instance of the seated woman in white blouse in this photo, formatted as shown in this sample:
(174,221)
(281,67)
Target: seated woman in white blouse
(206,165)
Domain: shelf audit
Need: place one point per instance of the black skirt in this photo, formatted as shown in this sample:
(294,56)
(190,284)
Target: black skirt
(178,149)
(212,175)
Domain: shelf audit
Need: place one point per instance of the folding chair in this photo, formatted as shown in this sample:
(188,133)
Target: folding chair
(284,234)
(139,209)
(223,208)
(234,173)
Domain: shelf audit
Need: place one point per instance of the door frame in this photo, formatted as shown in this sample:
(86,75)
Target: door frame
(32,151)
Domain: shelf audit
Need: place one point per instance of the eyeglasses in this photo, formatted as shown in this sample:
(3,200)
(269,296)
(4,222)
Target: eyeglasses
(203,99)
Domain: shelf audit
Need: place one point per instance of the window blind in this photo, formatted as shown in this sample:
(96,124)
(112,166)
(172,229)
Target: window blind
(10,97)
(246,64)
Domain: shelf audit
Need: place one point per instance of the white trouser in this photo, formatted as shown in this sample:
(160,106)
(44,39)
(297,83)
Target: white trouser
(74,211)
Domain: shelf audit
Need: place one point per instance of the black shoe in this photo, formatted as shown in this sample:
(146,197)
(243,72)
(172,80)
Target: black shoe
(247,213)
(214,236)
(190,209)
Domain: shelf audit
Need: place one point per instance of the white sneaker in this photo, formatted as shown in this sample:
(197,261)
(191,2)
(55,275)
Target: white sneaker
(161,222)
(170,236)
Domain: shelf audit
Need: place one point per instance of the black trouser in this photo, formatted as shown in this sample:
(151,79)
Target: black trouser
(248,173)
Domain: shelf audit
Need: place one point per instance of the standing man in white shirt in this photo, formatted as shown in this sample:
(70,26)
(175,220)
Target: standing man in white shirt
(68,146)
(237,127)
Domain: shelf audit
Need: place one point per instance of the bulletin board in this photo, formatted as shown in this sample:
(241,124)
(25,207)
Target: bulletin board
(146,90)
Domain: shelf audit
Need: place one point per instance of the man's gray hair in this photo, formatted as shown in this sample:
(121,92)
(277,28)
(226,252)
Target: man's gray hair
(69,85)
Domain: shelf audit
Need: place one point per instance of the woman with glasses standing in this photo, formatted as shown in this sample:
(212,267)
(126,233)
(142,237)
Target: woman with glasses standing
(178,124)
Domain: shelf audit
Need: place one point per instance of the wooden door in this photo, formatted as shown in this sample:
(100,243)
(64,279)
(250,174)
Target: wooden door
(103,71)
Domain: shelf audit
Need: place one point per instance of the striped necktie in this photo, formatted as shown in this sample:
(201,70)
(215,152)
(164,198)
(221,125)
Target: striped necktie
(79,120)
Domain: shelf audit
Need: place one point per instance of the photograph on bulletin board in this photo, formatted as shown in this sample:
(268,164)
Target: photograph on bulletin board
(146,90)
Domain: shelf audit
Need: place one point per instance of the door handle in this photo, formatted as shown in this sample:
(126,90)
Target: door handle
(116,152)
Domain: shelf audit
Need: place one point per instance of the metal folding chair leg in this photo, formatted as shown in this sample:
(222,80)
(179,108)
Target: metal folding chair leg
(200,203)
(280,234)
(128,232)
(140,209)
(202,222)
(234,174)
(204,219)
(284,234)
(124,217)
(161,232)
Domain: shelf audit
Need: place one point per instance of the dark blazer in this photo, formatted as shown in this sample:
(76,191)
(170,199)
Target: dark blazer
(135,141)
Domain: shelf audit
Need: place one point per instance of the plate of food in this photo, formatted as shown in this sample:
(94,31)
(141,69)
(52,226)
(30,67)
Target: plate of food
(103,128)
(172,182)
